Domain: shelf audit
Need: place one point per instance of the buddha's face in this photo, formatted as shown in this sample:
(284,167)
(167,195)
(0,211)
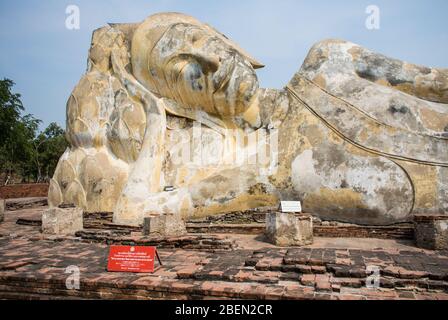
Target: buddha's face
(199,70)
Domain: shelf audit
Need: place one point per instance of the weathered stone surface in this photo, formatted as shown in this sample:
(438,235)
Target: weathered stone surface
(356,136)
(164,226)
(289,229)
(2,210)
(376,134)
(62,221)
(431,232)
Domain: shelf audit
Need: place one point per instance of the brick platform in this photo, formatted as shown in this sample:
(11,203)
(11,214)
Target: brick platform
(253,222)
(37,270)
(33,266)
(243,224)
(203,242)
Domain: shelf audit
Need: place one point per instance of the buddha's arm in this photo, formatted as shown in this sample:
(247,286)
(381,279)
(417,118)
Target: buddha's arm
(345,58)
(389,91)
(426,83)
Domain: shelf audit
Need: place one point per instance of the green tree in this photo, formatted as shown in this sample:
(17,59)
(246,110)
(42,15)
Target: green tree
(16,131)
(49,146)
(24,151)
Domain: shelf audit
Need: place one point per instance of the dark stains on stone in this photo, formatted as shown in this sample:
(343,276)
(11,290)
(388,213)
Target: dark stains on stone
(314,60)
(339,111)
(344,184)
(223,200)
(394,109)
(394,81)
(153,72)
(330,157)
(219,179)
(424,70)
(259,188)
(294,83)
(193,75)
(376,66)
(367,74)
(361,216)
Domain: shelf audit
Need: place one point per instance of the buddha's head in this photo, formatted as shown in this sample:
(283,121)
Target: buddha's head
(178,57)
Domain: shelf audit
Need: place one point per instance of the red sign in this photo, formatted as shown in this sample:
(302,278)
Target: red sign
(132,259)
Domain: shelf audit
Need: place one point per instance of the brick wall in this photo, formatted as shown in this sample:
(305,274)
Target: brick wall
(24,191)
(390,232)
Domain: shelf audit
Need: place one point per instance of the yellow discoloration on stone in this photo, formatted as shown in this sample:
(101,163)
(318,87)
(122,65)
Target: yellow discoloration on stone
(334,41)
(241,203)
(252,115)
(315,57)
(351,148)
(334,138)
(391,130)
(292,142)
(355,52)
(364,135)
(434,120)
(185,208)
(314,135)
(383,82)
(188,176)
(55,196)
(424,179)
(320,80)
(65,175)
(408,88)
(375,128)
(102,181)
(434,86)
(341,198)
(75,195)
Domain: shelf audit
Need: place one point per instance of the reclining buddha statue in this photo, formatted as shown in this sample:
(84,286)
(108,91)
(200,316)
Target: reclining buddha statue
(169,107)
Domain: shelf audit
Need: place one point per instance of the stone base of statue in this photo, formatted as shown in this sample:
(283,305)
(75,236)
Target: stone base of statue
(2,210)
(167,225)
(62,221)
(431,231)
(289,229)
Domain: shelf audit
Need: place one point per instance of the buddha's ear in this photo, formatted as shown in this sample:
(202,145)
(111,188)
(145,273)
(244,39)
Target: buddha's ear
(255,63)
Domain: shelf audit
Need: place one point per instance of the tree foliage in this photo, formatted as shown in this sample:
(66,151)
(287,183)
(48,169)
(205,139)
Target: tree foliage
(24,151)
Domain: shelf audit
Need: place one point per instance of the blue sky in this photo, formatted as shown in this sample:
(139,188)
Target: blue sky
(46,60)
